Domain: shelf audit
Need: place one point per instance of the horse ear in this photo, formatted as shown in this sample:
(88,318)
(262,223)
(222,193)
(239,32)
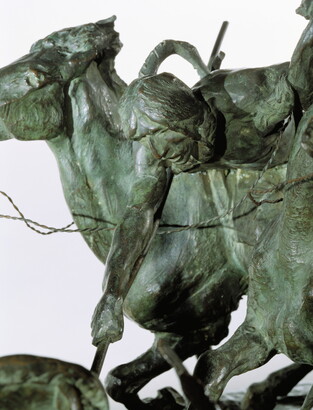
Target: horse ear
(108,21)
(306,9)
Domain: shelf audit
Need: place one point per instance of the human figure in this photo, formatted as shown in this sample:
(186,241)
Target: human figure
(231,119)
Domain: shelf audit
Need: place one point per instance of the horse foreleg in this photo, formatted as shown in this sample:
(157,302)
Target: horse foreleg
(245,351)
(124,382)
(192,388)
(264,394)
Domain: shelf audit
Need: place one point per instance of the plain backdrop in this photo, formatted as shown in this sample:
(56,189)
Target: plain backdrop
(50,285)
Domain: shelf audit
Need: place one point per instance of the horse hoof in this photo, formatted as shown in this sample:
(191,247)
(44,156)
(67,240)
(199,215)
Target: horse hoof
(167,399)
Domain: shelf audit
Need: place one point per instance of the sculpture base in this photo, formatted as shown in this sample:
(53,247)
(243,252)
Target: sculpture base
(294,400)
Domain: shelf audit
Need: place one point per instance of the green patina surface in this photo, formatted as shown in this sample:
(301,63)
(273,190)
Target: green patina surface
(155,157)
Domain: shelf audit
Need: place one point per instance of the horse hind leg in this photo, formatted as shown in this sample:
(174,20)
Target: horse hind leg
(245,351)
(124,382)
(308,402)
(263,395)
(192,388)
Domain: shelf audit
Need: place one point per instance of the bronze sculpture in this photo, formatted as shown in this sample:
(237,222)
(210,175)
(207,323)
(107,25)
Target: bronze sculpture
(29,382)
(281,255)
(50,82)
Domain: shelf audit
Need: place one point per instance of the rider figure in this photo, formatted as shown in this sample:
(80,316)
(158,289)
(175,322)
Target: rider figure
(230,119)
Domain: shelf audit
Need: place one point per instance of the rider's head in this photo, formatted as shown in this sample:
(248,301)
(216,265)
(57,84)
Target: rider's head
(162,112)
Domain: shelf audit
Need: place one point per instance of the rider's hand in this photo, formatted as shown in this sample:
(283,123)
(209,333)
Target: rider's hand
(107,322)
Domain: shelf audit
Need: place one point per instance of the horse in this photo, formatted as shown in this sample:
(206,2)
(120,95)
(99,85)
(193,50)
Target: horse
(279,313)
(191,279)
(44,383)
(279,309)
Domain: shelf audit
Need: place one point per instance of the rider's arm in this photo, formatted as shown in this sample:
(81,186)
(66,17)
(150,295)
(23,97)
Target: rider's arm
(129,242)
(134,231)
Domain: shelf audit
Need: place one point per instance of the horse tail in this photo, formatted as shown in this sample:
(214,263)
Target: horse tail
(188,52)
(169,47)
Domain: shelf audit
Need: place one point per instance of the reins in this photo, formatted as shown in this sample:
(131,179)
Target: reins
(166,229)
